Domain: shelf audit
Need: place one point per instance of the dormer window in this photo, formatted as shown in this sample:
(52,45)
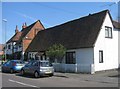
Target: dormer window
(108,32)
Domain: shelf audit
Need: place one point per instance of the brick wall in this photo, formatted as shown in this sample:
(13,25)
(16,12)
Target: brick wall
(32,33)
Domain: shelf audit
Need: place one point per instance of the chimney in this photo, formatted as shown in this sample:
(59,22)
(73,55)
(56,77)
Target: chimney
(16,30)
(24,25)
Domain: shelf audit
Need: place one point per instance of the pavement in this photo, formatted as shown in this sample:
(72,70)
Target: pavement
(100,79)
(103,77)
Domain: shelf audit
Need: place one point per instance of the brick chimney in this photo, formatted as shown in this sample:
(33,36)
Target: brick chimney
(16,30)
(24,25)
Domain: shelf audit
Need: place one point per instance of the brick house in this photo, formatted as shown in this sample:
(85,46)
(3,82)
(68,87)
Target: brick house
(16,46)
(1,51)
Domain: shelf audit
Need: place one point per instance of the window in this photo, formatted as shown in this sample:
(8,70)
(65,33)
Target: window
(20,46)
(70,58)
(108,32)
(9,46)
(100,56)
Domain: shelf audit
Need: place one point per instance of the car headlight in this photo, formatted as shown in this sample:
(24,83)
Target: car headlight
(41,70)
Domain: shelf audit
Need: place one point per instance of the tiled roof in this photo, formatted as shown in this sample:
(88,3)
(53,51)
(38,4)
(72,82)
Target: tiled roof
(20,35)
(79,33)
(116,24)
(15,38)
(24,32)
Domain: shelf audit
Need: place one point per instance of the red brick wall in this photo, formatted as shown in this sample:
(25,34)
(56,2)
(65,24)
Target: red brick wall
(26,41)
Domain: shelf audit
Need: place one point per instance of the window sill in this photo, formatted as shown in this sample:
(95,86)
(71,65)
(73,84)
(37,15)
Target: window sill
(109,37)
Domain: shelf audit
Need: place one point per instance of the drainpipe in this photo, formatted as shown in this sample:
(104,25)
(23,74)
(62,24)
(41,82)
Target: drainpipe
(76,68)
(23,56)
(92,69)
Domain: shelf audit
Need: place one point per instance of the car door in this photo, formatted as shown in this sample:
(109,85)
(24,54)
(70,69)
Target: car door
(4,67)
(7,66)
(27,67)
(34,67)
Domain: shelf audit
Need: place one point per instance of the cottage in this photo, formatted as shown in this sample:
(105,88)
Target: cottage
(16,46)
(91,42)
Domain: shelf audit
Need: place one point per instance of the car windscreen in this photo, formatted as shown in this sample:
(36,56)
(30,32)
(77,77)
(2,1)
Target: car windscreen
(19,62)
(45,64)
(30,63)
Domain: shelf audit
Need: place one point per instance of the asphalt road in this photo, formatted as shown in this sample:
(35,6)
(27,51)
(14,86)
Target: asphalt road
(59,80)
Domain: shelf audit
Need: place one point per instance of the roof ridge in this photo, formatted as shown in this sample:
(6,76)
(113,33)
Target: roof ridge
(81,18)
(30,25)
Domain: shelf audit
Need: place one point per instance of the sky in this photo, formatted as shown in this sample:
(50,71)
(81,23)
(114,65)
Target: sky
(49,13)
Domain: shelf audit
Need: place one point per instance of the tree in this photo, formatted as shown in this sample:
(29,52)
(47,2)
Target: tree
(56,51)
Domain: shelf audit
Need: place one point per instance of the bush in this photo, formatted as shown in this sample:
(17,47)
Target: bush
(57,51)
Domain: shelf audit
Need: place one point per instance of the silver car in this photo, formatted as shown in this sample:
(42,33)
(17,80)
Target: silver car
(38,68)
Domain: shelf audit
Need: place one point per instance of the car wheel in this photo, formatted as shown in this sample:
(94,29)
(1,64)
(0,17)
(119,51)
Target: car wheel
(36,74)
(22,72)
(11,71)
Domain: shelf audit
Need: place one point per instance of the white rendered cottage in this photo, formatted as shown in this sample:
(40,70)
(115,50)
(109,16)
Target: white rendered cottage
(91,42)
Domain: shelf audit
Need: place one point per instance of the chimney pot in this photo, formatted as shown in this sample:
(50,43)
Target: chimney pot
(16,30)
(24,25)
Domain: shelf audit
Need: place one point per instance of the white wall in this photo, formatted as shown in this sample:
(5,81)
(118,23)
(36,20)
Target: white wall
(119,48)
(84,62)
(84,56)
(109,47)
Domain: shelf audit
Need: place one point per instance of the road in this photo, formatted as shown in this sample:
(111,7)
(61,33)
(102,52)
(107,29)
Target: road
(59,80)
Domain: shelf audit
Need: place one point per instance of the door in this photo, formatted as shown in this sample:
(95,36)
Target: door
(34,67)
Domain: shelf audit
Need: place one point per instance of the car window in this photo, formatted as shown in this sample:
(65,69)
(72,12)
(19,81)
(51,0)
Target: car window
(35,64)
(29,63)
(19,62)
(44,64)
(7,63)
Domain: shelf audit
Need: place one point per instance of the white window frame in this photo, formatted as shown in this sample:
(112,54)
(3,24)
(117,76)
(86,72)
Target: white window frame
(108,32)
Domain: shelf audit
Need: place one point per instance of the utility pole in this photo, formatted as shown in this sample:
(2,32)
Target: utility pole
(4,37)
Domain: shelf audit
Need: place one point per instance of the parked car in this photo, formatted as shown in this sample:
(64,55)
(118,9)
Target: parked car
(38,68)
(12,66)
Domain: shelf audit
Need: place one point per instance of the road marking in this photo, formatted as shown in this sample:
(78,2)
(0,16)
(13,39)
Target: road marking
(21,83)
